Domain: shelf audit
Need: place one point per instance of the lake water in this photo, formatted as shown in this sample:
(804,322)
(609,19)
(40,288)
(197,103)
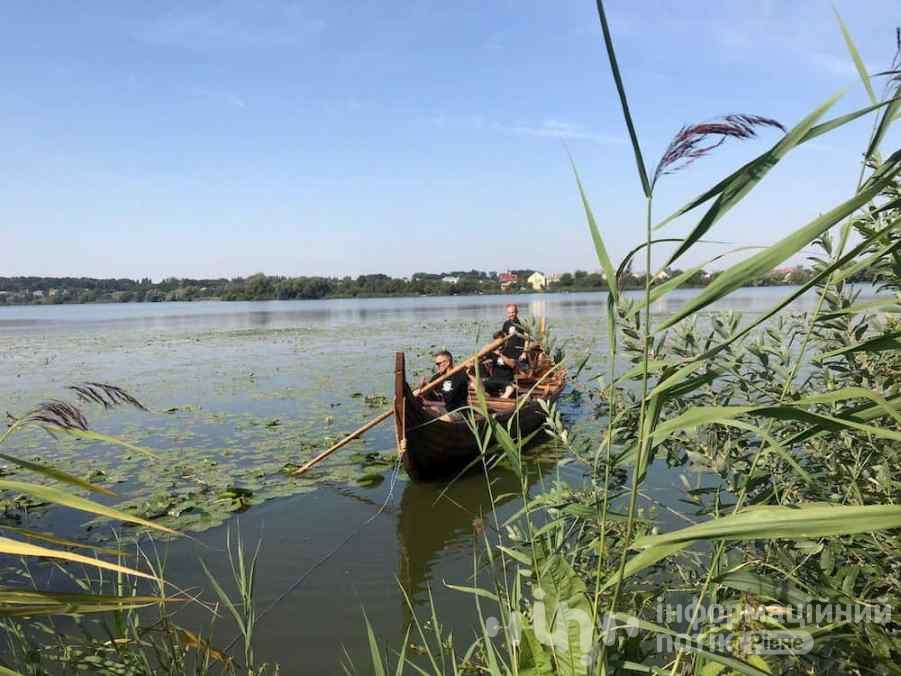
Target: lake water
(239,391)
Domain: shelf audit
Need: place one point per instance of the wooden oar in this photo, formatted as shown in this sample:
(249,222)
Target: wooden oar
(428,387)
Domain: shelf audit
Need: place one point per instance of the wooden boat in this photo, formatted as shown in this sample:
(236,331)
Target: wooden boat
(433,448)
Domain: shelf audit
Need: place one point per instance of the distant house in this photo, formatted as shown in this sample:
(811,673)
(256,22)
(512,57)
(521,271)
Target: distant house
(37,294)
(662,276)
(787,275)
(507,278)
(553,277)
(450,280)
(537,281)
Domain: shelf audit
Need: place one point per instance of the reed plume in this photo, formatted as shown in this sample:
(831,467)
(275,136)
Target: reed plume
(106,395)
(56,413)
(63,415)
(697,140)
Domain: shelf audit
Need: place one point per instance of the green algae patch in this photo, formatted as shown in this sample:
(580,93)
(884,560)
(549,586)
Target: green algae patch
(233,412)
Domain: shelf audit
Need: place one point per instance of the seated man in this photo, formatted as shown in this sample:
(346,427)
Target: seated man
(519,340)
(450,395)
(503,370)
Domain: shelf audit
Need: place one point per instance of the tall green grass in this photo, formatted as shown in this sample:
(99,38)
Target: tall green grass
(793,419)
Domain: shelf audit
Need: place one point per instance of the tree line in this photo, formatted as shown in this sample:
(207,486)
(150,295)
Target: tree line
(63,290)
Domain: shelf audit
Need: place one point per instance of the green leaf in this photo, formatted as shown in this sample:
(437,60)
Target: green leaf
(65,499)
(770,522)
(599,247)
(90,435)
(813,133)
(884,123)
(880,304)
(63,542)
(688,643)
(745,180)
(624,103)
(860,414)
(855,56)
(402,658)
(378,667)
(223,596)
(17,548)
(889,341)
(660,290)
(18,602)
(562,585)
(778,589)
(642,560)
(517,556)
(478,591)
(637,371)
(711,415)
(57,474)
(761,263)
(773,446)
(801,290)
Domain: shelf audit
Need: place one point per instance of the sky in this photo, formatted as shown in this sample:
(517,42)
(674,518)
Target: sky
(221,139)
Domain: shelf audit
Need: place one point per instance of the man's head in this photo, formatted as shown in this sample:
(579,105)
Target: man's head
(512,311)
(443,361)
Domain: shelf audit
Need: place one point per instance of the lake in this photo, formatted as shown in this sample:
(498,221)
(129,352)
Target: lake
(240,391)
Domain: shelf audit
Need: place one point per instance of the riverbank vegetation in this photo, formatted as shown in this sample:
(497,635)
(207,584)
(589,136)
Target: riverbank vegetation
(77,290)
(782,553)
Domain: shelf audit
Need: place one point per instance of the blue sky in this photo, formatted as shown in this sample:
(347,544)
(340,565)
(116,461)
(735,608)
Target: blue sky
(226,138)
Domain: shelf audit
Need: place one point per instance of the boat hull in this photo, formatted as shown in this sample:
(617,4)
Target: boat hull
(434,448)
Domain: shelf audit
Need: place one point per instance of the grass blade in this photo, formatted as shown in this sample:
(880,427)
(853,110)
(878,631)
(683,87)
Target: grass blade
(884,123)
(814,132)
(712,415)
(764,585)
(63,542)
(761,263)
(642,560)
(599,247)
(770,522)
(855,56)
(617,78)
(57,474)
(17,548)
(65,499)
(378,666)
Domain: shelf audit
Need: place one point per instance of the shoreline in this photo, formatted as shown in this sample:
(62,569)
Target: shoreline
(217,299)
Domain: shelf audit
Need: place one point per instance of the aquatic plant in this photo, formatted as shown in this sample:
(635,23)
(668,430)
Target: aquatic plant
(790,422)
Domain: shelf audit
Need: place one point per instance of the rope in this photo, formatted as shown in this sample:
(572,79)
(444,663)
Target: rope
(294,585)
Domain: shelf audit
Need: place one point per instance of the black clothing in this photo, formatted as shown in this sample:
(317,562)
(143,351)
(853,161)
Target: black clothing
(454,391)
(514,346)
(501,374)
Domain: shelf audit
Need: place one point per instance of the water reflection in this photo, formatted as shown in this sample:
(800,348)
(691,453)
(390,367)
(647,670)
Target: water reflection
(432,527)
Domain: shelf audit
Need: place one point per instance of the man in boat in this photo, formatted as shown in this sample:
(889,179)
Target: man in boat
(453,393)
(501,380)
(514,328)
